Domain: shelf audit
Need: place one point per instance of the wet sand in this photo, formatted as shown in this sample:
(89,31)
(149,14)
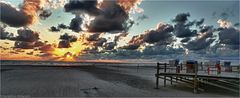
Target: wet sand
(92,81)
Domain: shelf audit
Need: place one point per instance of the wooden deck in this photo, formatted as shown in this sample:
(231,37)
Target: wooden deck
(197,80)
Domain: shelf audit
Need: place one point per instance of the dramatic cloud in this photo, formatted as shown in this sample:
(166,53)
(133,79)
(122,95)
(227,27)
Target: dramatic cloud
(236,24)
(70,38)
(27,45)
(4,34)
(12,16)
(230,36)
(93,37)
(54,29)
(75,24)
(181,18)
(131,47)
(181,28)
(183,31)
(203,40)
(27,35)
(27,15)
(64,44)
(200,22)
(205,28)
(160,36)
(106,16)
(161,50)
(109,46)
(62,26)
(87,6)
(66,40)
(58,28)
(114,18)
(185,39)
(45,14)
(118,37)
(27,39)
(95,40)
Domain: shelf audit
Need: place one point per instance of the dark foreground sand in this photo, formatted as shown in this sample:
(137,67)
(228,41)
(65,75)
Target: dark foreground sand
(85,81)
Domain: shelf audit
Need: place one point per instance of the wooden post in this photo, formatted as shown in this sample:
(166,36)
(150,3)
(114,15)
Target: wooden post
(165,70)
(195,84)
(157,79)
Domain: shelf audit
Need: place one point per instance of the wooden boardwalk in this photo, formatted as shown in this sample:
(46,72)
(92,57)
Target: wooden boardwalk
(197,80)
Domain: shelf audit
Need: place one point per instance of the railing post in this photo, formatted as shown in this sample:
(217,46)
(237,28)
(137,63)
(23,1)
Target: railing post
(157,78)
(195,88)
(165,70)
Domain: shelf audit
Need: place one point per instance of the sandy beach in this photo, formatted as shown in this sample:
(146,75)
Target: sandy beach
(92,81)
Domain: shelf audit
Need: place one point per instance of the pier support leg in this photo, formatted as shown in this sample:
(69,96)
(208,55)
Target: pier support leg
(157,78)
(165,70)
(195,80)
(157,81)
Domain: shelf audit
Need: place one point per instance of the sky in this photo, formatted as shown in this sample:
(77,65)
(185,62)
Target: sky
(105,29)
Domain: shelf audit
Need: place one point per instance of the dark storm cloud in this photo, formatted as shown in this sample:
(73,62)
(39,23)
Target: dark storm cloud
(70,38)
(109,46)
(118,37)
(27,45)
(131,47)
(186,39)
(114,18)
(54,29)
(45,14)
(58,28)
(94,37)
(75,24)
(109,17)
(229,36)
(200,22)
(64,44)
(99,42)
(27,39)
(66,40)
(11,16)
(27,35)
(162,35)
(205,28)
(163,50)
(47,47)
(181,18)
(4,34)
(201,42)
(236,24)
(182,31)
(62,26)
(182,26)
(88,6)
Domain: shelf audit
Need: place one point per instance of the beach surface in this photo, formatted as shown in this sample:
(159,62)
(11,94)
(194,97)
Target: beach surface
(92,81)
